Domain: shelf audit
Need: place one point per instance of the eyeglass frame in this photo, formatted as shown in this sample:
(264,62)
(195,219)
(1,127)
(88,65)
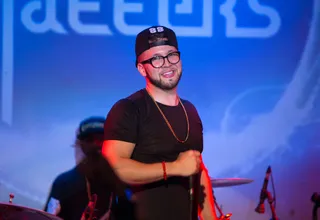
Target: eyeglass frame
(149,61)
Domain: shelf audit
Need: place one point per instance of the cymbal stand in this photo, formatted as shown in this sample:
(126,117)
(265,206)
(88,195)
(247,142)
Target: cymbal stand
(315,199)
(270,201)
(315,212)
(222,216)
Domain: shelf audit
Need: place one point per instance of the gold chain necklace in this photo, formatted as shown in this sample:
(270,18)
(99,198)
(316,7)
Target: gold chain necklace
(168,123)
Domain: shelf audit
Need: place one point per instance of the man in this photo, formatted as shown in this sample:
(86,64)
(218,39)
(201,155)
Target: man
(154,140)
(73,193)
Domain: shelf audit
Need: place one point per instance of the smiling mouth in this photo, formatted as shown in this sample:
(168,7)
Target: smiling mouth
(168,74)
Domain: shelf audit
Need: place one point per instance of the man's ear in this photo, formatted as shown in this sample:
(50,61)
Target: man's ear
(141,70)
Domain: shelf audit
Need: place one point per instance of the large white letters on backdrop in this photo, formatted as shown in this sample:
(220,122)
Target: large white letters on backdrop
(77,8)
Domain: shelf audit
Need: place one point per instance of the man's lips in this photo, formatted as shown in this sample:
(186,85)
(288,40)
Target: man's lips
(168,74)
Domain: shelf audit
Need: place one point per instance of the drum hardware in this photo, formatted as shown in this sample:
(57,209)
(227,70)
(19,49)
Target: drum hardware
(222,216)
(8,211)
(272,207)
(226,182)
(226,217)
(266,195)
(315,198)
(11,196)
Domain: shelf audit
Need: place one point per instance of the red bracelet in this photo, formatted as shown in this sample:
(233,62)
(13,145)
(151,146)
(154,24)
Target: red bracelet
(164,171)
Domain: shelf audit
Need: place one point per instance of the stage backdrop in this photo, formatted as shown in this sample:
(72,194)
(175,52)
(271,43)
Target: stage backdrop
(251,68)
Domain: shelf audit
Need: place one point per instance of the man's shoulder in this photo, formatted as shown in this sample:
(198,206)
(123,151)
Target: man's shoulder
(190,107)
(67,177)
(133,100)
(66,183)
(136,96)
(187,103)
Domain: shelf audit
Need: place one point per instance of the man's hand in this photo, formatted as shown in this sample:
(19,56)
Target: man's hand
(188,163)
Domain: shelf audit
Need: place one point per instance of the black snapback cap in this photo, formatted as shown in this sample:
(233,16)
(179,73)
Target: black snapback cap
(90,126)
(155,36)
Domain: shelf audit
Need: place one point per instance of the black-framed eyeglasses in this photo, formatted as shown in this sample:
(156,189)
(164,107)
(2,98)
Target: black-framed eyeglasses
(158,61)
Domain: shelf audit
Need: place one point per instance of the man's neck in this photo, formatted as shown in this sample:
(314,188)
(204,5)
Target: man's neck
(166,97)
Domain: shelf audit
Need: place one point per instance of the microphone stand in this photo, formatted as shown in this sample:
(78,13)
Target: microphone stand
(315,212)
(273,210)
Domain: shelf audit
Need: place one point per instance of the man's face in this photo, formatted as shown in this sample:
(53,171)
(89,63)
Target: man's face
(166,76)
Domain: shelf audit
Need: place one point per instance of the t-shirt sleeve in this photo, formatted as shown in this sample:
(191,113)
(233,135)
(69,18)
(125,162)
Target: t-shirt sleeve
(199,121)
(53,201)
(196,117)
(122,122)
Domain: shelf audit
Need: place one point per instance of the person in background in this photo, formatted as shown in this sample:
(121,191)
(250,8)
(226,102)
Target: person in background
(154,138)
(75,195)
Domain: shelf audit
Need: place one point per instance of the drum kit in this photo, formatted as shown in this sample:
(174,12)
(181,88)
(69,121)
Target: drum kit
(9,211)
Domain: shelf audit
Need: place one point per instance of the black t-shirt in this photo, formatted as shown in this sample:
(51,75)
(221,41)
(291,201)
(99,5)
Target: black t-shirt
(137,120)
(70,190)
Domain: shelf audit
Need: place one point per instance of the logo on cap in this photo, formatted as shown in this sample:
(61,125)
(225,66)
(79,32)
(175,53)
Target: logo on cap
(156,29)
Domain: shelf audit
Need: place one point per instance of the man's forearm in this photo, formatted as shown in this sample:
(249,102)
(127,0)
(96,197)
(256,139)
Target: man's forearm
(207,211)
(133,172)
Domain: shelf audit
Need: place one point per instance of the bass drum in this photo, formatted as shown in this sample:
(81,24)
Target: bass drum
(8,211)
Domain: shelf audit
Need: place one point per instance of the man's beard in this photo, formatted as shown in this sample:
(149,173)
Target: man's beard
(161,85)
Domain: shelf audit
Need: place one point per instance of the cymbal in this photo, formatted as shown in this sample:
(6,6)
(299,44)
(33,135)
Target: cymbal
(10,212)
(225,182)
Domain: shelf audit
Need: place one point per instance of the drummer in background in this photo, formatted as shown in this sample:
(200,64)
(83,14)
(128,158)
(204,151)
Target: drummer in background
(71,191)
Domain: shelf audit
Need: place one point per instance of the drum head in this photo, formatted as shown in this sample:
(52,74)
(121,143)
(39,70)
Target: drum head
(13,212)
